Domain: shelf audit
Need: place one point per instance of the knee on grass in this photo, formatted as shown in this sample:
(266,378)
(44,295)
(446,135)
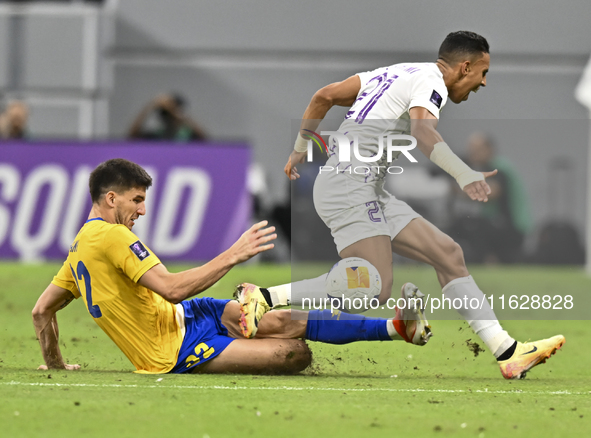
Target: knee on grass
(291,357)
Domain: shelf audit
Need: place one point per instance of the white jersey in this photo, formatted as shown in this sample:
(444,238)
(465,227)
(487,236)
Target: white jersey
(382,108)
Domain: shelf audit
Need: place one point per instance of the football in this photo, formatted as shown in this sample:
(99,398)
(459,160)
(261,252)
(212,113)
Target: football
(354,282)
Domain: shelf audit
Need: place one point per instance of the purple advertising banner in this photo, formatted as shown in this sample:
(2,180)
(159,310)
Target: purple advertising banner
(197,206)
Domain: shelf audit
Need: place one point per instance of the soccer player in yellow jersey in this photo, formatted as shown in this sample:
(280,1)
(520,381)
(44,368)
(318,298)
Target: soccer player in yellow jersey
(143,308)
(129,292)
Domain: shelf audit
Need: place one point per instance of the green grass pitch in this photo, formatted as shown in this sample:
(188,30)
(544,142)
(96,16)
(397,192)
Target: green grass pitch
(363,389)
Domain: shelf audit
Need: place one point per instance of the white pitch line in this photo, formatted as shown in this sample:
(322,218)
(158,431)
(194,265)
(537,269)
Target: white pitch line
(295,388)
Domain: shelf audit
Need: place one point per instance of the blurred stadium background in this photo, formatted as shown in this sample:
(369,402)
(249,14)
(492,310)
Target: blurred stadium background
(248,70)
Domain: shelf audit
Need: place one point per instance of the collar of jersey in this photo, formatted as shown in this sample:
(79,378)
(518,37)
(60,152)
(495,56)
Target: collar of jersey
(94,219)
(437,71)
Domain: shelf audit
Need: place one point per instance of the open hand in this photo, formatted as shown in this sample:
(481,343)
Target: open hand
(295,158)
(253,242)
(479,190)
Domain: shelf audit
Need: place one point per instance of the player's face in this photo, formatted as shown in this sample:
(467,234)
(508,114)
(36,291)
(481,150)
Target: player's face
(129,206)
(473,76)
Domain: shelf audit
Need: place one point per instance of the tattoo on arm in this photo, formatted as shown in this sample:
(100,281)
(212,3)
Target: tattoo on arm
(68,301)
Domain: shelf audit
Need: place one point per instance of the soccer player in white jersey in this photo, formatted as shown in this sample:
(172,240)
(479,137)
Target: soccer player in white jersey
(368,222)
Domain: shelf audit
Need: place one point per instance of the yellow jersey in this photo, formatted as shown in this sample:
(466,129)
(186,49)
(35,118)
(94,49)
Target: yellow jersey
(104,263)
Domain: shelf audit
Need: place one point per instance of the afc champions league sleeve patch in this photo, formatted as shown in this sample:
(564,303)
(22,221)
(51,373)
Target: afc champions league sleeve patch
(139,250)
(436,99)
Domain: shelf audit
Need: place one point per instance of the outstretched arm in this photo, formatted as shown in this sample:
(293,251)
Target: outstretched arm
(431,144)
(340,93)
(179,286)
(54,298)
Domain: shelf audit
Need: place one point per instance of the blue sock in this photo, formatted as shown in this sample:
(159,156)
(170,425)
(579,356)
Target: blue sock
(343,328)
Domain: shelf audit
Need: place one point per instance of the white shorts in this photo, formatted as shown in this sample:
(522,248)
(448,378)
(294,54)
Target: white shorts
(354,210)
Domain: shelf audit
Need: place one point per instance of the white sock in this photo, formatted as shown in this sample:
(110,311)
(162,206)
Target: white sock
(294,293)
(482,320)
(280,295)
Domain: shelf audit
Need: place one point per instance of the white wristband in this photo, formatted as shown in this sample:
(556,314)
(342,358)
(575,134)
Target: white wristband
(301,145)
(444,157)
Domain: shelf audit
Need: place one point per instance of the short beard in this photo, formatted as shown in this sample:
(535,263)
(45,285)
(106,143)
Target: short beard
(119,218)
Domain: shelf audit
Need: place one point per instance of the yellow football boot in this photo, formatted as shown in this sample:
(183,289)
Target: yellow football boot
(529,354)
(253,306)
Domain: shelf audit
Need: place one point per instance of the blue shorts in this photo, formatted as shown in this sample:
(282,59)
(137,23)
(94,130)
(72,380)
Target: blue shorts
(205,335)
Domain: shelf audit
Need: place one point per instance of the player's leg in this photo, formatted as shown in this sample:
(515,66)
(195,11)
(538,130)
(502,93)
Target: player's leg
(276,324)
(260,356)
(337,327)
(378,251)
(294,324)
(343,328)
(375,249)
(213,342)
(356,235)
(422,241)
(353,213)
(276,352)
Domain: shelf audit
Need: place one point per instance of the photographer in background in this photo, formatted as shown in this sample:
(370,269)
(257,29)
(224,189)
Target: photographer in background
(173,123)
(13,121)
